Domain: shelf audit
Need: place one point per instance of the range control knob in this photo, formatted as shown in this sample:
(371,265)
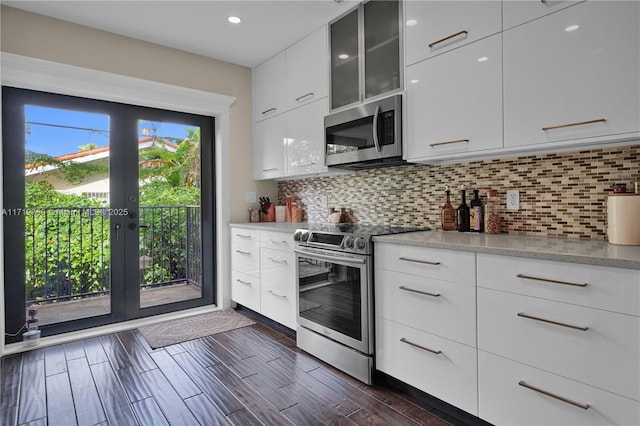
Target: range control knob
(297,235)
(348,242)
(304,237)
(360,243)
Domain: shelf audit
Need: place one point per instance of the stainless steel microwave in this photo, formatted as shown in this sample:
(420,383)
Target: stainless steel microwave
(365,136)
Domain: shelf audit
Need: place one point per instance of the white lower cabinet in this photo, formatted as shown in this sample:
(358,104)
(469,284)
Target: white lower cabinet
(512,393)
(263,273)
(437,366)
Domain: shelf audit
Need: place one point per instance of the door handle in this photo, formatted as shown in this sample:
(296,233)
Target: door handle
(375,129)
(117,227)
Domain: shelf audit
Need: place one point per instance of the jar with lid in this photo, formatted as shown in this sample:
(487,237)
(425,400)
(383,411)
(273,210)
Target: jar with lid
(492,213)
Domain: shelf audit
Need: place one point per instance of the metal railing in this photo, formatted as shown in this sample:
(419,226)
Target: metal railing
(68,250)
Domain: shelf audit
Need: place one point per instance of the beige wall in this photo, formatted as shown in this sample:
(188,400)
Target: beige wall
(37,36)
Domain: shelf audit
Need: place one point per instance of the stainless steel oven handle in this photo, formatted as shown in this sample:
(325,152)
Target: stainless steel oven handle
(375,129)
(330,258)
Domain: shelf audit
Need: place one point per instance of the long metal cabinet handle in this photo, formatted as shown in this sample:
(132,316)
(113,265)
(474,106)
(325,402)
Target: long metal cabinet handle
(277,260)
(246,253)
(243,282)
(282,243)
(299,98)
(276,294)
(448,37)
(553,395)
(449,142)
(530,277)
(270,170)
(243,236)
(579,123)
(403,340)
(426,293)
(376,142)
(563,324)
(426,262)
(269,110)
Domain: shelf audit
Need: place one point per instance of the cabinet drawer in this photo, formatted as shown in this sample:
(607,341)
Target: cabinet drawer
(613,289)
(245,258)
(447,265)
(450,375)
(277,265)
(516,12)
(605,355)
(442,308)
(434,27)
(278,301)
(504,402)
(245,236)
(245,290)
(277,240)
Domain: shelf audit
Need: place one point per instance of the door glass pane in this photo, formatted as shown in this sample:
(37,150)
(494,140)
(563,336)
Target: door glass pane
(67,238)
(170,227)
(330,295)
(344,61)
(382,47)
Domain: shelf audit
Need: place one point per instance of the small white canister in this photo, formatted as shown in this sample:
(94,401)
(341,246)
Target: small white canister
(623,217)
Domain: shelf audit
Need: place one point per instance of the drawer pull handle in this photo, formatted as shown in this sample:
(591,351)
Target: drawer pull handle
(403,340)
(553,395)
(268,111)
(246,253)
(283,242)
(575,327)
(579,123)
(426,293)
(529,277)
(243,282)
(272,169)
(311,163)
(243,236)
(278,260)
(448,37)
(277,295)
(426,262)
(299,98)
(449,142)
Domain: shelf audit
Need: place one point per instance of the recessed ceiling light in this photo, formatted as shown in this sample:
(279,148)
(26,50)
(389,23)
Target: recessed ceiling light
(483,59)
(234,19)
(411,22)
(572,28)
(343,56)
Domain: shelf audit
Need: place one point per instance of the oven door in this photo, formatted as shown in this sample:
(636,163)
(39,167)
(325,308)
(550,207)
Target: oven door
(334,296)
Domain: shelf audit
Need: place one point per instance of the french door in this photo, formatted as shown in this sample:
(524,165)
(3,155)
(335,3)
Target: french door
(108,211)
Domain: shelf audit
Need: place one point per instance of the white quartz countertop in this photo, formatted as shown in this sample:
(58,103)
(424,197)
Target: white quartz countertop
(594,252)
(271,226)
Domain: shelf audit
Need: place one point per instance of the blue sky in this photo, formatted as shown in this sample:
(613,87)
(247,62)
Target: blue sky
(56,132)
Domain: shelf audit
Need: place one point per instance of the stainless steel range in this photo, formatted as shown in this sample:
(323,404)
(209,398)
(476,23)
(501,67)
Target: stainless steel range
(335,294)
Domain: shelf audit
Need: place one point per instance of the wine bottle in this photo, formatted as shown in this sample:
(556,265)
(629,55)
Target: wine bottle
(448,213)
(463,211)
(476,222)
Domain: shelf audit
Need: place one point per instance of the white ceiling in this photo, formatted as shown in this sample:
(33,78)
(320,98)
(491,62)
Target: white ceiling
(201,27)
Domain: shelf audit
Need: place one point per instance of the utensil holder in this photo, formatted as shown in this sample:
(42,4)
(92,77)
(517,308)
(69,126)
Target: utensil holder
(281,213)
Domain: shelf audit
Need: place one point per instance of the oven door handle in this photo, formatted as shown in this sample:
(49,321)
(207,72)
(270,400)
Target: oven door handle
(329,258)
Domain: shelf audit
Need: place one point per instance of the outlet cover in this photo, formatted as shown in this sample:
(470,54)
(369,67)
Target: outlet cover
(250,197)
(513,199)
(323,201)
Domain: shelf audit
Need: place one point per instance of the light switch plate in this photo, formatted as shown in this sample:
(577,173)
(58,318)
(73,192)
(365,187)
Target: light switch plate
(250,197)
(513,199)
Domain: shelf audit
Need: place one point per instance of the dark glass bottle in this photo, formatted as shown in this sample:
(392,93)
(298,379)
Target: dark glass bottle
(463,211)
(448,214)
(476,222)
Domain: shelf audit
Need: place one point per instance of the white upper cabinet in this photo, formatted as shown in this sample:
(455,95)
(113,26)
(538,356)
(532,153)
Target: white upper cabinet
(516,12)
(305,138)
(454,102)
(269,87)
(572,77)
(434,27)
(306,75)
(269,152)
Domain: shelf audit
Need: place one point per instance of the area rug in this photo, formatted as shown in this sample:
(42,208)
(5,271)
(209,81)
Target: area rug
(183,329)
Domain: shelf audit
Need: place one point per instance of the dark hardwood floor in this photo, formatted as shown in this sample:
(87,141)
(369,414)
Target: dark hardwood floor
(249,376)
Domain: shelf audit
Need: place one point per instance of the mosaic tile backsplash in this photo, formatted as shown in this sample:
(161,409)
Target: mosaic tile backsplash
(562,195)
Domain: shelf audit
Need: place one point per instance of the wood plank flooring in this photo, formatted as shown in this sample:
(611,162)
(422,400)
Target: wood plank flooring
(249,376)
